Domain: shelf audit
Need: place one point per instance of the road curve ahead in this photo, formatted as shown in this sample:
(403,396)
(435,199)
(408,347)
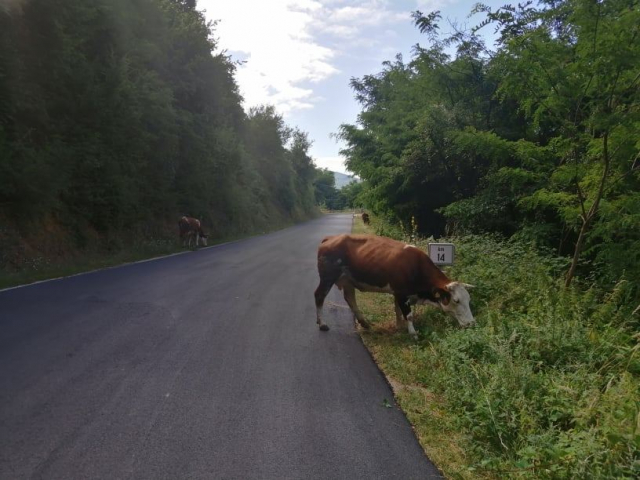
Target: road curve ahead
(207,365)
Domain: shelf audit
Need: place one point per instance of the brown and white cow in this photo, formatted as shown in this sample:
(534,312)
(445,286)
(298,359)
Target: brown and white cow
(379,264)
(191,228)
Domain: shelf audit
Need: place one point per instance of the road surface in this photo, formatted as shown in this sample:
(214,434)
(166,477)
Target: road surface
(203,365)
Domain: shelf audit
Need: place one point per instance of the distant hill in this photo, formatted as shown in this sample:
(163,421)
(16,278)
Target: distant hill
(342,179)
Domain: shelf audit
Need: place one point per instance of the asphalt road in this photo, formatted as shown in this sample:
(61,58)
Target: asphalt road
(202,365)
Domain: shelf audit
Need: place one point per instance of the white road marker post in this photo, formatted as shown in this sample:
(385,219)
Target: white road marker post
(442,253)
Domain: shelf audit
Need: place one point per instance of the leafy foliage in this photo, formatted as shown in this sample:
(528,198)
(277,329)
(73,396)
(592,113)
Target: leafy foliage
(332,198)
(527,156)
(117,117)
(547,384)
(536,138)
(537,385)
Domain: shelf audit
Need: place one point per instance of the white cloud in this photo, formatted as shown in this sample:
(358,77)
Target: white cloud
(348,21)
(279,39)
(430,5)
(369,13)
(280,53)
(343,31)
(335,164)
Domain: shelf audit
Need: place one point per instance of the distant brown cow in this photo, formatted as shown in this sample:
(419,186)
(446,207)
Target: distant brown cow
(190,228)
(378,264)
(365,218)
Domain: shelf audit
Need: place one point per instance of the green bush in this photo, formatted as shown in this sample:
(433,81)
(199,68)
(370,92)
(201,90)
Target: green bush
(117,117)
(547,385)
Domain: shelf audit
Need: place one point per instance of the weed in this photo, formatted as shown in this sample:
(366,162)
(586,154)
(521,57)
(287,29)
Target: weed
(546,386)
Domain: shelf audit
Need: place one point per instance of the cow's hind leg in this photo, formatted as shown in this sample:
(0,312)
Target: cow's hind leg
(400,321)
(350,297)
(405,307)
(321,293)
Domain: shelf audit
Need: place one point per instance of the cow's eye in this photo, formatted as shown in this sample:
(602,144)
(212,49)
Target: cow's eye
(456,300)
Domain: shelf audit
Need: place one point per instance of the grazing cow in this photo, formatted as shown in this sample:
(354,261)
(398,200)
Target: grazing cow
(378,264)
(191,228)
(365,218)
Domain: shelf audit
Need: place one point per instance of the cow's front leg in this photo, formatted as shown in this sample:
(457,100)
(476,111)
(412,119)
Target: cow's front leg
(405,308)
(350,297)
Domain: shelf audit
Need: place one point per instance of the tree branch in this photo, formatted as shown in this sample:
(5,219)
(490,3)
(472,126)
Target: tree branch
(593,74)
(581,199)
(603,180)
(634,167)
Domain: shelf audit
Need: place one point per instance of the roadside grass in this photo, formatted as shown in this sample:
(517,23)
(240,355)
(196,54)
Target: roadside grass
(546,386)
(326,211)
(398,356)
(38,268)
(41,268)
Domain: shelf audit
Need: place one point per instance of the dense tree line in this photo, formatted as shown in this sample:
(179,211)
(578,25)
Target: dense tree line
(528,153)
(117,116)
(333,198)
(536,137)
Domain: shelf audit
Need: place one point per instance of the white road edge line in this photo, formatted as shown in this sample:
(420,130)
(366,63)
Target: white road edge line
(115,266)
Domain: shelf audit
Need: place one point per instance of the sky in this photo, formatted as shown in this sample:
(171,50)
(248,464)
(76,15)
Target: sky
(299,55)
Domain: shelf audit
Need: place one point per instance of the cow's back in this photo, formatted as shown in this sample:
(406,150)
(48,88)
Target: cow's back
(373,260)
(189,225)
(183,225)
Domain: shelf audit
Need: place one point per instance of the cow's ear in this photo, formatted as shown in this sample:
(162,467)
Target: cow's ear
(442,296)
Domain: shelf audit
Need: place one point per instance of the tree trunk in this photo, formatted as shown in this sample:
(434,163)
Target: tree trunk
(577,251)
(586,219)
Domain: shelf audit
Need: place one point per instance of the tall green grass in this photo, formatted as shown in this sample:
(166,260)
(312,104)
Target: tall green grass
(547,385)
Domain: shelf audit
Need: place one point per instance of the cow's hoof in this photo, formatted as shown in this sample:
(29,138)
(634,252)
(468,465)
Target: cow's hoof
(324,328)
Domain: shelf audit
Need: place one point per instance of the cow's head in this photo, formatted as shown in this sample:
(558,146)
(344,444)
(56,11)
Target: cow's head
(203,237)
(454,299)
